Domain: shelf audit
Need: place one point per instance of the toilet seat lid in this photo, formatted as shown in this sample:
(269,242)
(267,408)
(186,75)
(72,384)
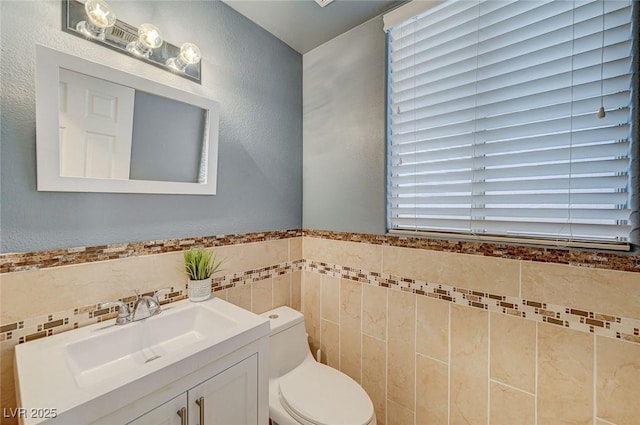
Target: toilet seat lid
(317,394)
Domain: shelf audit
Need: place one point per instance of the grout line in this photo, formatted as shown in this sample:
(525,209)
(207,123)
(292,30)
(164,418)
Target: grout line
(488,367)
(361,328)
(273,292)
(520,279)
(537,354)
(512,387)
(340,324)
(250,295)
(449,367)
(320,318)
(595,379)
(374,337)
(415,359)
(330,321)
(432,358)
(386,362)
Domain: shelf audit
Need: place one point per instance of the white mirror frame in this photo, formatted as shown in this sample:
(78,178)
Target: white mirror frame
(48,64)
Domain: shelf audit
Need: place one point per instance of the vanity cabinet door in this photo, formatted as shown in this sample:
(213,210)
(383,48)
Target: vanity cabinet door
(165,414)
(229,398)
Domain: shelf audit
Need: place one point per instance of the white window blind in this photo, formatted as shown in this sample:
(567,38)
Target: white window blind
(493,125)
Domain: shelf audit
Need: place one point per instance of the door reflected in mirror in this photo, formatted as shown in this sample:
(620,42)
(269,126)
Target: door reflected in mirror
(111,131)
(102,130)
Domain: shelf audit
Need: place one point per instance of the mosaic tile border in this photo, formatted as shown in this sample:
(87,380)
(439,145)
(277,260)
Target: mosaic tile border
(15,262)
(629,262)
(597,323)
(62,321)
(580,320)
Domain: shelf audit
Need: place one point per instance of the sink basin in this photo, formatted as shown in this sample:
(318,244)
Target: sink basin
(123,348)
(88,372)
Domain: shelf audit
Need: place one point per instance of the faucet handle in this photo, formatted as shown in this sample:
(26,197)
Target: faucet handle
(156,308)
(124,315)
(161,291)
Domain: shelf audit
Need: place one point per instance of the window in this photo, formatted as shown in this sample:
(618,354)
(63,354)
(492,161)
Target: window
(493,120)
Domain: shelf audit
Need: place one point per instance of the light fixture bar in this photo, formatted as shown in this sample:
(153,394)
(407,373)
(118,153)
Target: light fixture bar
(120,35)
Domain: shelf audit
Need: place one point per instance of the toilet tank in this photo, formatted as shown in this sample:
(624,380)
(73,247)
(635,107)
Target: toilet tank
(288,345)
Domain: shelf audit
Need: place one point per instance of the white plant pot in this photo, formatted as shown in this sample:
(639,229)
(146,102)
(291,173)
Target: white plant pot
(199,290)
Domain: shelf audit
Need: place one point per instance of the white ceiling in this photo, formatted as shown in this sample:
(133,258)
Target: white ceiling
(303,24)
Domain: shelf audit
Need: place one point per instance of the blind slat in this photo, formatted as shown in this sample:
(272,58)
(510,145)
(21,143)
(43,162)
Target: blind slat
(500,116)
(517,186)
(552,215)
(559,231)
(599,167)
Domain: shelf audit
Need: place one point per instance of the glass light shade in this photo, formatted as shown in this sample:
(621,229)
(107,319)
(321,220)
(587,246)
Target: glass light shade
(100,13)
(189,55)
(149,38)
(100,16)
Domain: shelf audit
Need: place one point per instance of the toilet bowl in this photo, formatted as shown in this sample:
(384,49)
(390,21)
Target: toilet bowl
(303,391)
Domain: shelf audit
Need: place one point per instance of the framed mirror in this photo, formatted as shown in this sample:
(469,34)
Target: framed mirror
(99,129)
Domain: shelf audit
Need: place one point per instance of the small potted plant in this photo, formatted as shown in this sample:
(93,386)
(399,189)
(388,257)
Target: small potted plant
(200,264)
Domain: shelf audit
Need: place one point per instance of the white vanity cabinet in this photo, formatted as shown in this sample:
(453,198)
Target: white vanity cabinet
(166,414)
(229,391)
(229,398)
(146,371)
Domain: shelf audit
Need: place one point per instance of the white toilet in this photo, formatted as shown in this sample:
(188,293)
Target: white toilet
(303,391)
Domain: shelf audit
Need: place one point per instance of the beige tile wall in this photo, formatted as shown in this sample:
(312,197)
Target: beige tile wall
(427,361)
(31,293)
(422,360)
(61,288)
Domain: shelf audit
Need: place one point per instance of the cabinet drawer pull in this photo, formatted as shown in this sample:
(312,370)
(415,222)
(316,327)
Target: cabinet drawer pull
(200,403)
(183,416)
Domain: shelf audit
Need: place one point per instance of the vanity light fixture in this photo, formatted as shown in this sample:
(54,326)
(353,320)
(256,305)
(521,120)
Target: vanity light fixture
(100,16)
(189,55)
(149,38)
(95,21)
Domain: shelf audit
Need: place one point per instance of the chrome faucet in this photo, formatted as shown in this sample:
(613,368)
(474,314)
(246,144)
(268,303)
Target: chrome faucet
(145,306)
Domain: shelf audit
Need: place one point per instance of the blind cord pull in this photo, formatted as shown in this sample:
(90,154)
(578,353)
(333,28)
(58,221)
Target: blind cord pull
(601,113)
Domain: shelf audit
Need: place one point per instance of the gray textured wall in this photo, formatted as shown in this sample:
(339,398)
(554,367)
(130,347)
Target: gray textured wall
(344,132)
(257,81)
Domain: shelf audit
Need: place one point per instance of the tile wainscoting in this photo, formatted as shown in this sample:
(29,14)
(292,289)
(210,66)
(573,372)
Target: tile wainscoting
(46,293)
(436,331)
(440,337)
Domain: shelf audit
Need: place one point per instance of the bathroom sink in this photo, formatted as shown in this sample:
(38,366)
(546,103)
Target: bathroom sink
(88,372)
(123,348)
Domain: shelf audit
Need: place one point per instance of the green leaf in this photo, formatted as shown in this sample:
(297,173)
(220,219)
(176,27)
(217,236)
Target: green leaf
(200,263)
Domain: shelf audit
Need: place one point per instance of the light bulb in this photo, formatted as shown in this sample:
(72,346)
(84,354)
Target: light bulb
(100,17)
(149,38)
(149,35)
(189,55)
